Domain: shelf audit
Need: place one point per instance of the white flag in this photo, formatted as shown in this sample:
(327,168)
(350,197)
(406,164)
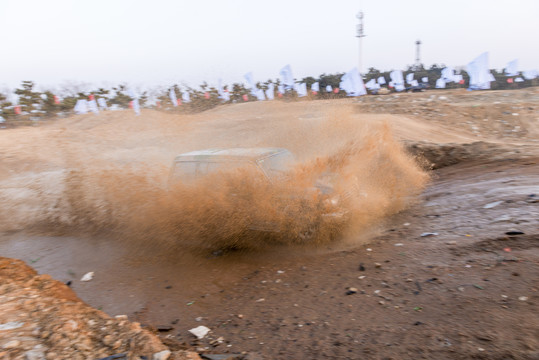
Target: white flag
(479,72)
(315,87)
(329,88)
(352,83)
(224,95)
(371,84)
(512,68)
(448,74)
(414,83)
(409,78)
(287,79)
(92,105)
(260,95)
(172,96)
(381,80)
(280,89)
(102,103)
(186,97)
(81,107)
(397,79)
(136,106)
(457,77)
(251,83)
(425,79)
(301,89)
(270,91)
(519,79)
(530,74)
(440,83)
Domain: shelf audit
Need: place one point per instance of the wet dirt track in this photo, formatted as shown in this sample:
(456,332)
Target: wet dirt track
(451,295)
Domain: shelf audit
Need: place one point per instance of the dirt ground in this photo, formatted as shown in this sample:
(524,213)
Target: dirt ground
(450,273)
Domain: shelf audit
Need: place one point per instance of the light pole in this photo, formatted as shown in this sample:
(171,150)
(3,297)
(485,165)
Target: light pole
(360,34)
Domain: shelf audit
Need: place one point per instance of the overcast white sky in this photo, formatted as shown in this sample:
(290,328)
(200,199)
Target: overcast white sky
(166,41)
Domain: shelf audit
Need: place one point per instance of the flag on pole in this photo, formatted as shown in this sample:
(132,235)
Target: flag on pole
(102,103)
(81,107)
(480,76)
(17,109)
(301,89)
(287,79)
(172,96)
(251,83)
(270,91)
(512,68)
(186,97)
(440,83)
(56,100)
(352,83)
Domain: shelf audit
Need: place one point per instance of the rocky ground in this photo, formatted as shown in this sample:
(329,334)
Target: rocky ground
(454,276)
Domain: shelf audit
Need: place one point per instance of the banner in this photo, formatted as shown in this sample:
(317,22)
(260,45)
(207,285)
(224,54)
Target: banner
(186,97)
(270,91)
(479,73)
(315,87)
(409,78)
(287,79)
(381,80)
(352,83)
(172,96)
(329,88)
(512,68)
(397,80)
(440,83)
(425,79)
(301,89)
(102,103)
(81,107)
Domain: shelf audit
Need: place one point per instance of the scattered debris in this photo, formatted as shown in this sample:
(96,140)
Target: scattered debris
(425,234)
(523,298)
(11,325)
(88,276)
(399,244)
(260,300)
(514,232)
(361,267)
(492,204)
(377,265)
(200,331)
(351,291)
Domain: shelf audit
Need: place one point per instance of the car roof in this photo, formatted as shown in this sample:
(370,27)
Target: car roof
(235,154)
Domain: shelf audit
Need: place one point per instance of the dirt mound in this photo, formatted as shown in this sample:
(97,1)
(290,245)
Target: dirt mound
(441,155)
(42,318)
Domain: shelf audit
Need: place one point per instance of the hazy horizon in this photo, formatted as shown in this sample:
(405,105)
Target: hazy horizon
(165,42)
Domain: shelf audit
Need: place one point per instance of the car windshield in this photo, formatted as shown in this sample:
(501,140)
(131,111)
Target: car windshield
(278,165)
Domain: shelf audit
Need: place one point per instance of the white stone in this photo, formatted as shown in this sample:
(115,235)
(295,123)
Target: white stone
(200,331)
(162,355)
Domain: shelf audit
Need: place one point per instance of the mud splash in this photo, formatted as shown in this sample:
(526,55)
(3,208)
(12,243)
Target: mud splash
(241,209)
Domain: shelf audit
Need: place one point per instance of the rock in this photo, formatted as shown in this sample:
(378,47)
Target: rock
(34,354)
(425,234)
(11,325)
(88,276)
(161,355)
(200,331)
(164,328)
(523,298)
(377,265)
(107,340)
(351,291)
(361,267)
(260,300)
(11,344)
(492,204)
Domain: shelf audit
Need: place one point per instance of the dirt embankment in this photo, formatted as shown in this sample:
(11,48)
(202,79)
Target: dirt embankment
(42,318)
